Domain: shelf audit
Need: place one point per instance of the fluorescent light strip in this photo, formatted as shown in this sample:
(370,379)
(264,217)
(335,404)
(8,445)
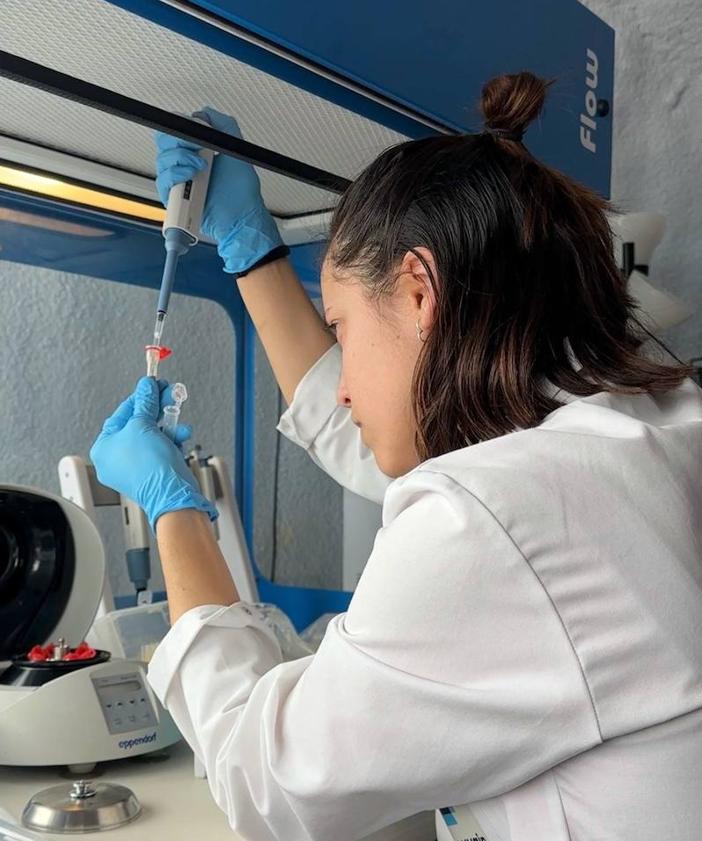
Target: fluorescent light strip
(56,188)
(307,227)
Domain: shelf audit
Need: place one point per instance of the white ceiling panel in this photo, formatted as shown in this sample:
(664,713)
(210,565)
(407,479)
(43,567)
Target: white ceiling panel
(98,42)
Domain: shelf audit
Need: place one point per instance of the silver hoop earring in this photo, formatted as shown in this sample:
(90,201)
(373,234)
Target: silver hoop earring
(419,333)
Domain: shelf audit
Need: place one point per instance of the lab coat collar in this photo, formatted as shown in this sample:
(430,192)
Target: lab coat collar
(558,394)
(550,390)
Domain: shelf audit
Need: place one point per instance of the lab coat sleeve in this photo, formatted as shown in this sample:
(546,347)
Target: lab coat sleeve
(317,423)
(451,679)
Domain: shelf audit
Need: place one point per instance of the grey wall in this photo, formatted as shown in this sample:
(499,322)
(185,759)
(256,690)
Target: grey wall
(73,347)
(658,131)
(309,503)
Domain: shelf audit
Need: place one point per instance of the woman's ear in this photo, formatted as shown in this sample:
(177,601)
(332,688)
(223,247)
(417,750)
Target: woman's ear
(418,277)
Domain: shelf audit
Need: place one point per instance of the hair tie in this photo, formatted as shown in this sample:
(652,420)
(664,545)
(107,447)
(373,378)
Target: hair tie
(504,133)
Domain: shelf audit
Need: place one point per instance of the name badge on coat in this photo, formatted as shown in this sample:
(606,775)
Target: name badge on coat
(458,824)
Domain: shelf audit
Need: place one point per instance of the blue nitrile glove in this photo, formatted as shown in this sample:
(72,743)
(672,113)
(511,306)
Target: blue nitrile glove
(234,216)
(132,456)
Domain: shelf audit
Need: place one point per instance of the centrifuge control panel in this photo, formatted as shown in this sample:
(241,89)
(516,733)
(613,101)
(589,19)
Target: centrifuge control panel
(125,702)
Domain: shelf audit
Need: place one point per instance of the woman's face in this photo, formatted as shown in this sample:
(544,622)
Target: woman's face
(380,348)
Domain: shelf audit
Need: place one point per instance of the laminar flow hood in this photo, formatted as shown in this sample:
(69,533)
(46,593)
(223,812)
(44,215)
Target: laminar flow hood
(321,87)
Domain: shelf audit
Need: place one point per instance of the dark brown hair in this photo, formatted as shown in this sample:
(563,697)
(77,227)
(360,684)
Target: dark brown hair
(527,280)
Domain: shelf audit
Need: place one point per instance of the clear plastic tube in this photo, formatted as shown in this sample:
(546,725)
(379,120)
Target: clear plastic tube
(153,351)
(171,413)
(158,328)
(153,356)
(179,393)
(170,420)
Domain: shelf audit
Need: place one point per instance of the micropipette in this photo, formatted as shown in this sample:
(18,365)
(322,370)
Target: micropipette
(181,229)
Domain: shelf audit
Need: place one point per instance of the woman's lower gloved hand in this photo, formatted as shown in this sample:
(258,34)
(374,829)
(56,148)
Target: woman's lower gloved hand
(133,457)
(234,216)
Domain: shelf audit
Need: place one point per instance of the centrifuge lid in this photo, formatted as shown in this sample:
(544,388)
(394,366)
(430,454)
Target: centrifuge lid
(56,538)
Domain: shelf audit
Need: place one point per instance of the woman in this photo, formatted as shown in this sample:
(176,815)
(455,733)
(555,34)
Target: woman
(525,637)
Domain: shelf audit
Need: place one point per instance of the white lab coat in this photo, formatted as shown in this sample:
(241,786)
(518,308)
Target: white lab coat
(526,638)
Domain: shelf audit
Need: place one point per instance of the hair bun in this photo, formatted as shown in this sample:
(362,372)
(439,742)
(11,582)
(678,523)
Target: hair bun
(510,102)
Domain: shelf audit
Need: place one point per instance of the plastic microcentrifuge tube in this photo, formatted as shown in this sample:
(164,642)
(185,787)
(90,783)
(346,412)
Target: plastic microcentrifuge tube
(154,354)
(171,413)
